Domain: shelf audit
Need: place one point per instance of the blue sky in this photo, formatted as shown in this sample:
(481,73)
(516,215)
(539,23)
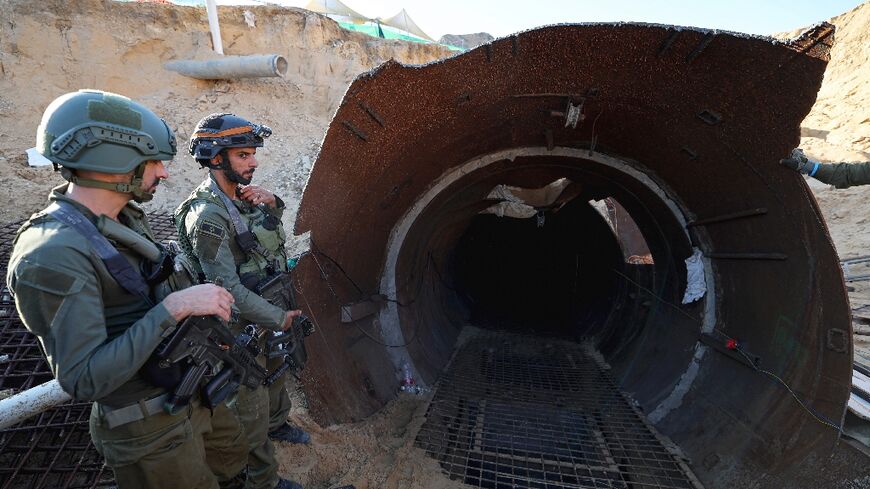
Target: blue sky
(503,17)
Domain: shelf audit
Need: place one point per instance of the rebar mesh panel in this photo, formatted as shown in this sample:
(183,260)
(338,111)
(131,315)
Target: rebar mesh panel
(53,449)
(162,225)
(524,412)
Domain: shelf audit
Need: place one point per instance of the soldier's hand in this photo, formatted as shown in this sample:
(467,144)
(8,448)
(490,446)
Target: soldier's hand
(798,161)
(200,300)
(288,319)
(256,195)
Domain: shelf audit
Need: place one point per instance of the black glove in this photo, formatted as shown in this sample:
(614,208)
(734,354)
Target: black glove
(798,161)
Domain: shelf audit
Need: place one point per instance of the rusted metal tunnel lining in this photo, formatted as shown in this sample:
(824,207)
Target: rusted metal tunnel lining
(684,128)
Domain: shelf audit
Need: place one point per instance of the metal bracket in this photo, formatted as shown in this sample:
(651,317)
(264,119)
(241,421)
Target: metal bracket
(837,340)
(693,155)
(710,117)
(355,130)
(358,310)
(848,274)
(371,112)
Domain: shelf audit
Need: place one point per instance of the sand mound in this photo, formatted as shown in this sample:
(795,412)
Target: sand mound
(56,46)
(838,126)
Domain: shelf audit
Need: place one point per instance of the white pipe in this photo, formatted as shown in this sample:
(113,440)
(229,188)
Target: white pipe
(231,67)
(23,405)
(214,26)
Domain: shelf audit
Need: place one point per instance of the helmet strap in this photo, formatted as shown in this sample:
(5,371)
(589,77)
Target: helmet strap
(134,187)
(139,194)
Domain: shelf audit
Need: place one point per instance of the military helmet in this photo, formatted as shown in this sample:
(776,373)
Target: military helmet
(102,132)
(216,132)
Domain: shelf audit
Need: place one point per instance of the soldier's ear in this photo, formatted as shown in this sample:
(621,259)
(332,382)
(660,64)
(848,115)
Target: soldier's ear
(218,158)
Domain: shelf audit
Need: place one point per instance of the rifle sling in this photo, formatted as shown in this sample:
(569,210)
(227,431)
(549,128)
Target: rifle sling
(247,241)
(120,269)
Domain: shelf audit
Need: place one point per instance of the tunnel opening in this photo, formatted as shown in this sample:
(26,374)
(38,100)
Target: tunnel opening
(548,274)
(561,271)
(593,268)
(556,304)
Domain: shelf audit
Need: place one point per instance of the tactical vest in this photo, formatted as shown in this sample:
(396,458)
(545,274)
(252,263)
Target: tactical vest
(264,260)
(175,275)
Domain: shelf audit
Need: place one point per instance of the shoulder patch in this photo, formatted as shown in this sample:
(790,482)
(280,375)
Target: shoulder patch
(211,229)
(207,239)
(45,279)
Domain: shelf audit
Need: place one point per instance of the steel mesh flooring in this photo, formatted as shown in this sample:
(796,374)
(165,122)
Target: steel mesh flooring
(52,449)
(525,412)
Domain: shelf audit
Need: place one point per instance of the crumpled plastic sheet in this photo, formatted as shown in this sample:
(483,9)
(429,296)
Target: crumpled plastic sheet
(522,203)
(696,284)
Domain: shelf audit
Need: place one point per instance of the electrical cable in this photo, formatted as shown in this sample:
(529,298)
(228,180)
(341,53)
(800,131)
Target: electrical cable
(325,277)
(818,417)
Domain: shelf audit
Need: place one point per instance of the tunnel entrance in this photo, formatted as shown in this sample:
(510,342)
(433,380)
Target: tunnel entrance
(684,141)
(549,274)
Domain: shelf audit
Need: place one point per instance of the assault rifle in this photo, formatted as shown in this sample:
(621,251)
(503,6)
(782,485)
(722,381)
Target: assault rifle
(278,290)
(210,350)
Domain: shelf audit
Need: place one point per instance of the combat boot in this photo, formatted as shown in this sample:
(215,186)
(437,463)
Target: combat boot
(287,484)
(290,434)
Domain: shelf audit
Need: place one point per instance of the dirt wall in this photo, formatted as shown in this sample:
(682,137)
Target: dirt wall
(48,48)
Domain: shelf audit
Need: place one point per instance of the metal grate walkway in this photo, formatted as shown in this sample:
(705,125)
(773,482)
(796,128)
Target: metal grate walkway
(528,412)
(53,449)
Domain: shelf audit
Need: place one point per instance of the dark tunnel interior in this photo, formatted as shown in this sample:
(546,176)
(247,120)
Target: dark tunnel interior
(598,264)
(549,274)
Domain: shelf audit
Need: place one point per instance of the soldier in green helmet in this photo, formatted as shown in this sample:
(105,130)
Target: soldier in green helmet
(99,307)
(232,230)
(840,175)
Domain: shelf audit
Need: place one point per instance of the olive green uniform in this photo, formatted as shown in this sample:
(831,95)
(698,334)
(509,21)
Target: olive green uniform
(206,233)
(96,337)
(843,175)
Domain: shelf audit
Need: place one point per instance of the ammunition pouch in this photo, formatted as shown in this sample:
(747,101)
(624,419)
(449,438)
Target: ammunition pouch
(277,289)
(161,374)
(247,241)
(157,273)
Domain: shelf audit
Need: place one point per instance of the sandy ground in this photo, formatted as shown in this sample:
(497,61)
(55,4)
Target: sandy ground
(373,454)
(51,47)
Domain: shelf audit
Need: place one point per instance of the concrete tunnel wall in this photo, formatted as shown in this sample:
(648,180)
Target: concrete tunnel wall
(684,128)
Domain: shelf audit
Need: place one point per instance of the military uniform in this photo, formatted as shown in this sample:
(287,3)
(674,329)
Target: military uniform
(207,234)
(843,175)
(96,336)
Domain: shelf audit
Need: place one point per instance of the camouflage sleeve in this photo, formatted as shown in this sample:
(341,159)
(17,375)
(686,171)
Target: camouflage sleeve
(278,210)
(209,235)
(843,175)
(58,294)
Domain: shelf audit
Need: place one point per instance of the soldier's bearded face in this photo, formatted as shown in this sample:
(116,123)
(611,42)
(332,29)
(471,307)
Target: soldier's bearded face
(155,171)
(243,161)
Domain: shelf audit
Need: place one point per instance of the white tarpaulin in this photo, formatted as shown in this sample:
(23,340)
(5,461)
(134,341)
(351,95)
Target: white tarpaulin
(335,7)
(523,203)
(696,285)
(404,22)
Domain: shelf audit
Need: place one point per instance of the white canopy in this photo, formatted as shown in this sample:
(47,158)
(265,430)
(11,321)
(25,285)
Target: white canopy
(404,22)
(335,7)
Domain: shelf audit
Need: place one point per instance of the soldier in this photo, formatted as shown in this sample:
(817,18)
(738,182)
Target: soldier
(98,319)
(840,175)
(233,230)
